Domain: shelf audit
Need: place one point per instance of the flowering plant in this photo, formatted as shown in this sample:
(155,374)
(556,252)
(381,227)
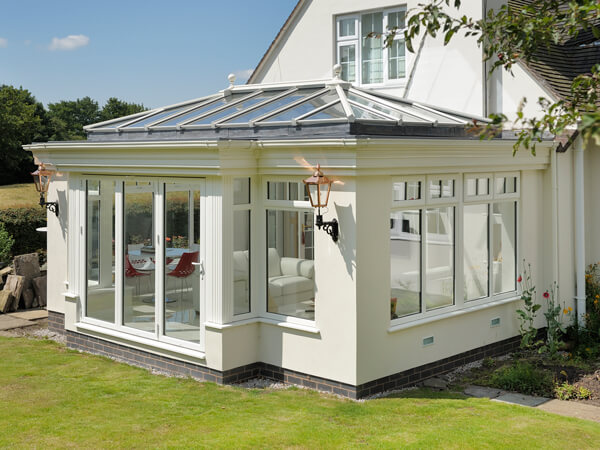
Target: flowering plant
(527,314)
(554,312)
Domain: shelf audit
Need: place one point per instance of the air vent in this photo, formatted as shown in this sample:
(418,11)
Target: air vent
(495,322)
(427,341)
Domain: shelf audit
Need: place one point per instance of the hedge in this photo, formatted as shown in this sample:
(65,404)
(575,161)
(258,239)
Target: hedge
(21,224)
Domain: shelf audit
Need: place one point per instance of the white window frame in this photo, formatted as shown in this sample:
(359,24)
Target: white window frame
(261,273)
(157,337)
(341,41)
(410,203)
(459,201)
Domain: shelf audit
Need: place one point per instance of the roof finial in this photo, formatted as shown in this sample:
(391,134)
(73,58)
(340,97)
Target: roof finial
(231,77)
(337,71)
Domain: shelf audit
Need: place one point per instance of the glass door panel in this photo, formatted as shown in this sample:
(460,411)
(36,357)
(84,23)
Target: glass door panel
(139,309)
(183,269)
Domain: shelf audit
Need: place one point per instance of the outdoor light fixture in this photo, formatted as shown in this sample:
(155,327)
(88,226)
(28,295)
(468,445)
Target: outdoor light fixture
(318,187)
(41,178)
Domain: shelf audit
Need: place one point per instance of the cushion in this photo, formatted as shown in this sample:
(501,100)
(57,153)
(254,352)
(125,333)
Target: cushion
(297,267)
(274,263)
(285,285)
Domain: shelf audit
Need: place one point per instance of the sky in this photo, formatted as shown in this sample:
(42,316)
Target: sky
(151,52)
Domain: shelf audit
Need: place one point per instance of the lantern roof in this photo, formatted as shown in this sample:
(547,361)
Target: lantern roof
(332,107)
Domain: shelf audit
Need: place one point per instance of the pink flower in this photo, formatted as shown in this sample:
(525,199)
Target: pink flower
(519,279)
(546,294)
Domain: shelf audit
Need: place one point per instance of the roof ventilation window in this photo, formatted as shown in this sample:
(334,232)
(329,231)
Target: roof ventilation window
(303,109)
(270,107)
(155,117)
(335,111)
(235,108)
(194,113)
(361,113)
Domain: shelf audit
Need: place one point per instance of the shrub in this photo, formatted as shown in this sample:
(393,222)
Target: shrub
(523,377)
(6,243)
(21,224)
(592,293)
(568,391)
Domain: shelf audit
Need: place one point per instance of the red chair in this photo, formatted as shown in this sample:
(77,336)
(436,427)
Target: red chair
(132,272)
(184,268)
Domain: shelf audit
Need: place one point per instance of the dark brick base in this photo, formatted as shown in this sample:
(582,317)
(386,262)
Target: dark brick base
(399,380)
(56,322)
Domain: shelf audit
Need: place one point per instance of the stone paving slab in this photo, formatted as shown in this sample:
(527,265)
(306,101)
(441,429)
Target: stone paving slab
(483,392)
(520,399)
(572,409)
(8,323)
(32,314)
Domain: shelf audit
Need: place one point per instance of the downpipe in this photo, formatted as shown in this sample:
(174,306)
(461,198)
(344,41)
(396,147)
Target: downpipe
(580,230)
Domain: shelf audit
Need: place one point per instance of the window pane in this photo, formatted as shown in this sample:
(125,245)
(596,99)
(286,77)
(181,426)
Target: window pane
(348,62)
(281,190)
(182,250)
(138,265)
(439,275)
(241,262)
(476,247)
(347,27)
(333,112)
(100,250)
(504,247)
(303,108)
(435,189)
(483,186)
(372,48)
(396,20)
(290,254)
(241,191)
(405,264)
(511,185)
(447,188)
(397,60)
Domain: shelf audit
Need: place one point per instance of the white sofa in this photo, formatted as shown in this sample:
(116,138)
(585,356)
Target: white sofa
(291,283)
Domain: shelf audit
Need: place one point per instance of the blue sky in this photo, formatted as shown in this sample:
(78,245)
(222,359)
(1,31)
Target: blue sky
(150,52)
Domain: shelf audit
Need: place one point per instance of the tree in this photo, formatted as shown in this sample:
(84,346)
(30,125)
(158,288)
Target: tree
(117,108)
(22,121)
(68,117)
(509,35)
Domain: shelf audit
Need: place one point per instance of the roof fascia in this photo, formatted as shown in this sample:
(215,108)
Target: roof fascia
(278,39)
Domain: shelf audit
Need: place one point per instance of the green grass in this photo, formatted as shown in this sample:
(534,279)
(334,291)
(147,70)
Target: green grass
(54,397)
(18,195)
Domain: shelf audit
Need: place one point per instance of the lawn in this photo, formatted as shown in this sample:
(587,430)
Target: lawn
(18,195)
(54,397)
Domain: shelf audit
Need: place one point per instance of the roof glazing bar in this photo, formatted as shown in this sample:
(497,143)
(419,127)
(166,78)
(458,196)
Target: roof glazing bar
(345,104)
(439,113)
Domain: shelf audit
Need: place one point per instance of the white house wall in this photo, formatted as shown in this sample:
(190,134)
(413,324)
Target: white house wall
(447,76)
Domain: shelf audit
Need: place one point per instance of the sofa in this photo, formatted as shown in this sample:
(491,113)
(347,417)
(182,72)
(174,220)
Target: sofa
(291,283)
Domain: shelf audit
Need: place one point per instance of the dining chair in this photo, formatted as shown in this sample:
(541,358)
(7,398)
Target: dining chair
(184,268)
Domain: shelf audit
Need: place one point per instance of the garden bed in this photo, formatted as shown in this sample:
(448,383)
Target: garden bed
(529,373)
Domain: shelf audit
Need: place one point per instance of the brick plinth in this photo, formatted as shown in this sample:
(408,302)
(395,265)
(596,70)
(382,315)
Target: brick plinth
(56,322)
(399,380)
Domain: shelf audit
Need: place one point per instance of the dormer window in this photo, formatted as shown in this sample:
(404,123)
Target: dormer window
(364,59)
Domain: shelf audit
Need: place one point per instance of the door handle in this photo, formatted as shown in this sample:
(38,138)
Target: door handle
(201,265)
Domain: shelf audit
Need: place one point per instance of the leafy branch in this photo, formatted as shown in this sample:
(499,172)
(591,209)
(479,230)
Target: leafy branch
(507,36)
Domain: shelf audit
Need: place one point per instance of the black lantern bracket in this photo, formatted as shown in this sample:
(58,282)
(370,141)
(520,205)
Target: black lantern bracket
(50,206)
(331,227)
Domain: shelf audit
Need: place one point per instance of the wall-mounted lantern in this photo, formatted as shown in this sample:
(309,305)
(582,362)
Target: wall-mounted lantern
(318,187)
(41,178)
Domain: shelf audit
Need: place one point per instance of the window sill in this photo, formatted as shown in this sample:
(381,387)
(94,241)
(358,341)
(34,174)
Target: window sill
(266,320)
(125,339)
(460,312)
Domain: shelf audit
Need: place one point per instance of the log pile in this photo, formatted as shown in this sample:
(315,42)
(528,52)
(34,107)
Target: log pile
(24,284)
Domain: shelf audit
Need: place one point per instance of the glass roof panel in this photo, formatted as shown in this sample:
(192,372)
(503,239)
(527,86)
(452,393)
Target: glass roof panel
(272,106)
(303,108)
(361,113)
(332,112)
(155,117)
(117,123)
(373,105)
(235,108)
(195,113)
